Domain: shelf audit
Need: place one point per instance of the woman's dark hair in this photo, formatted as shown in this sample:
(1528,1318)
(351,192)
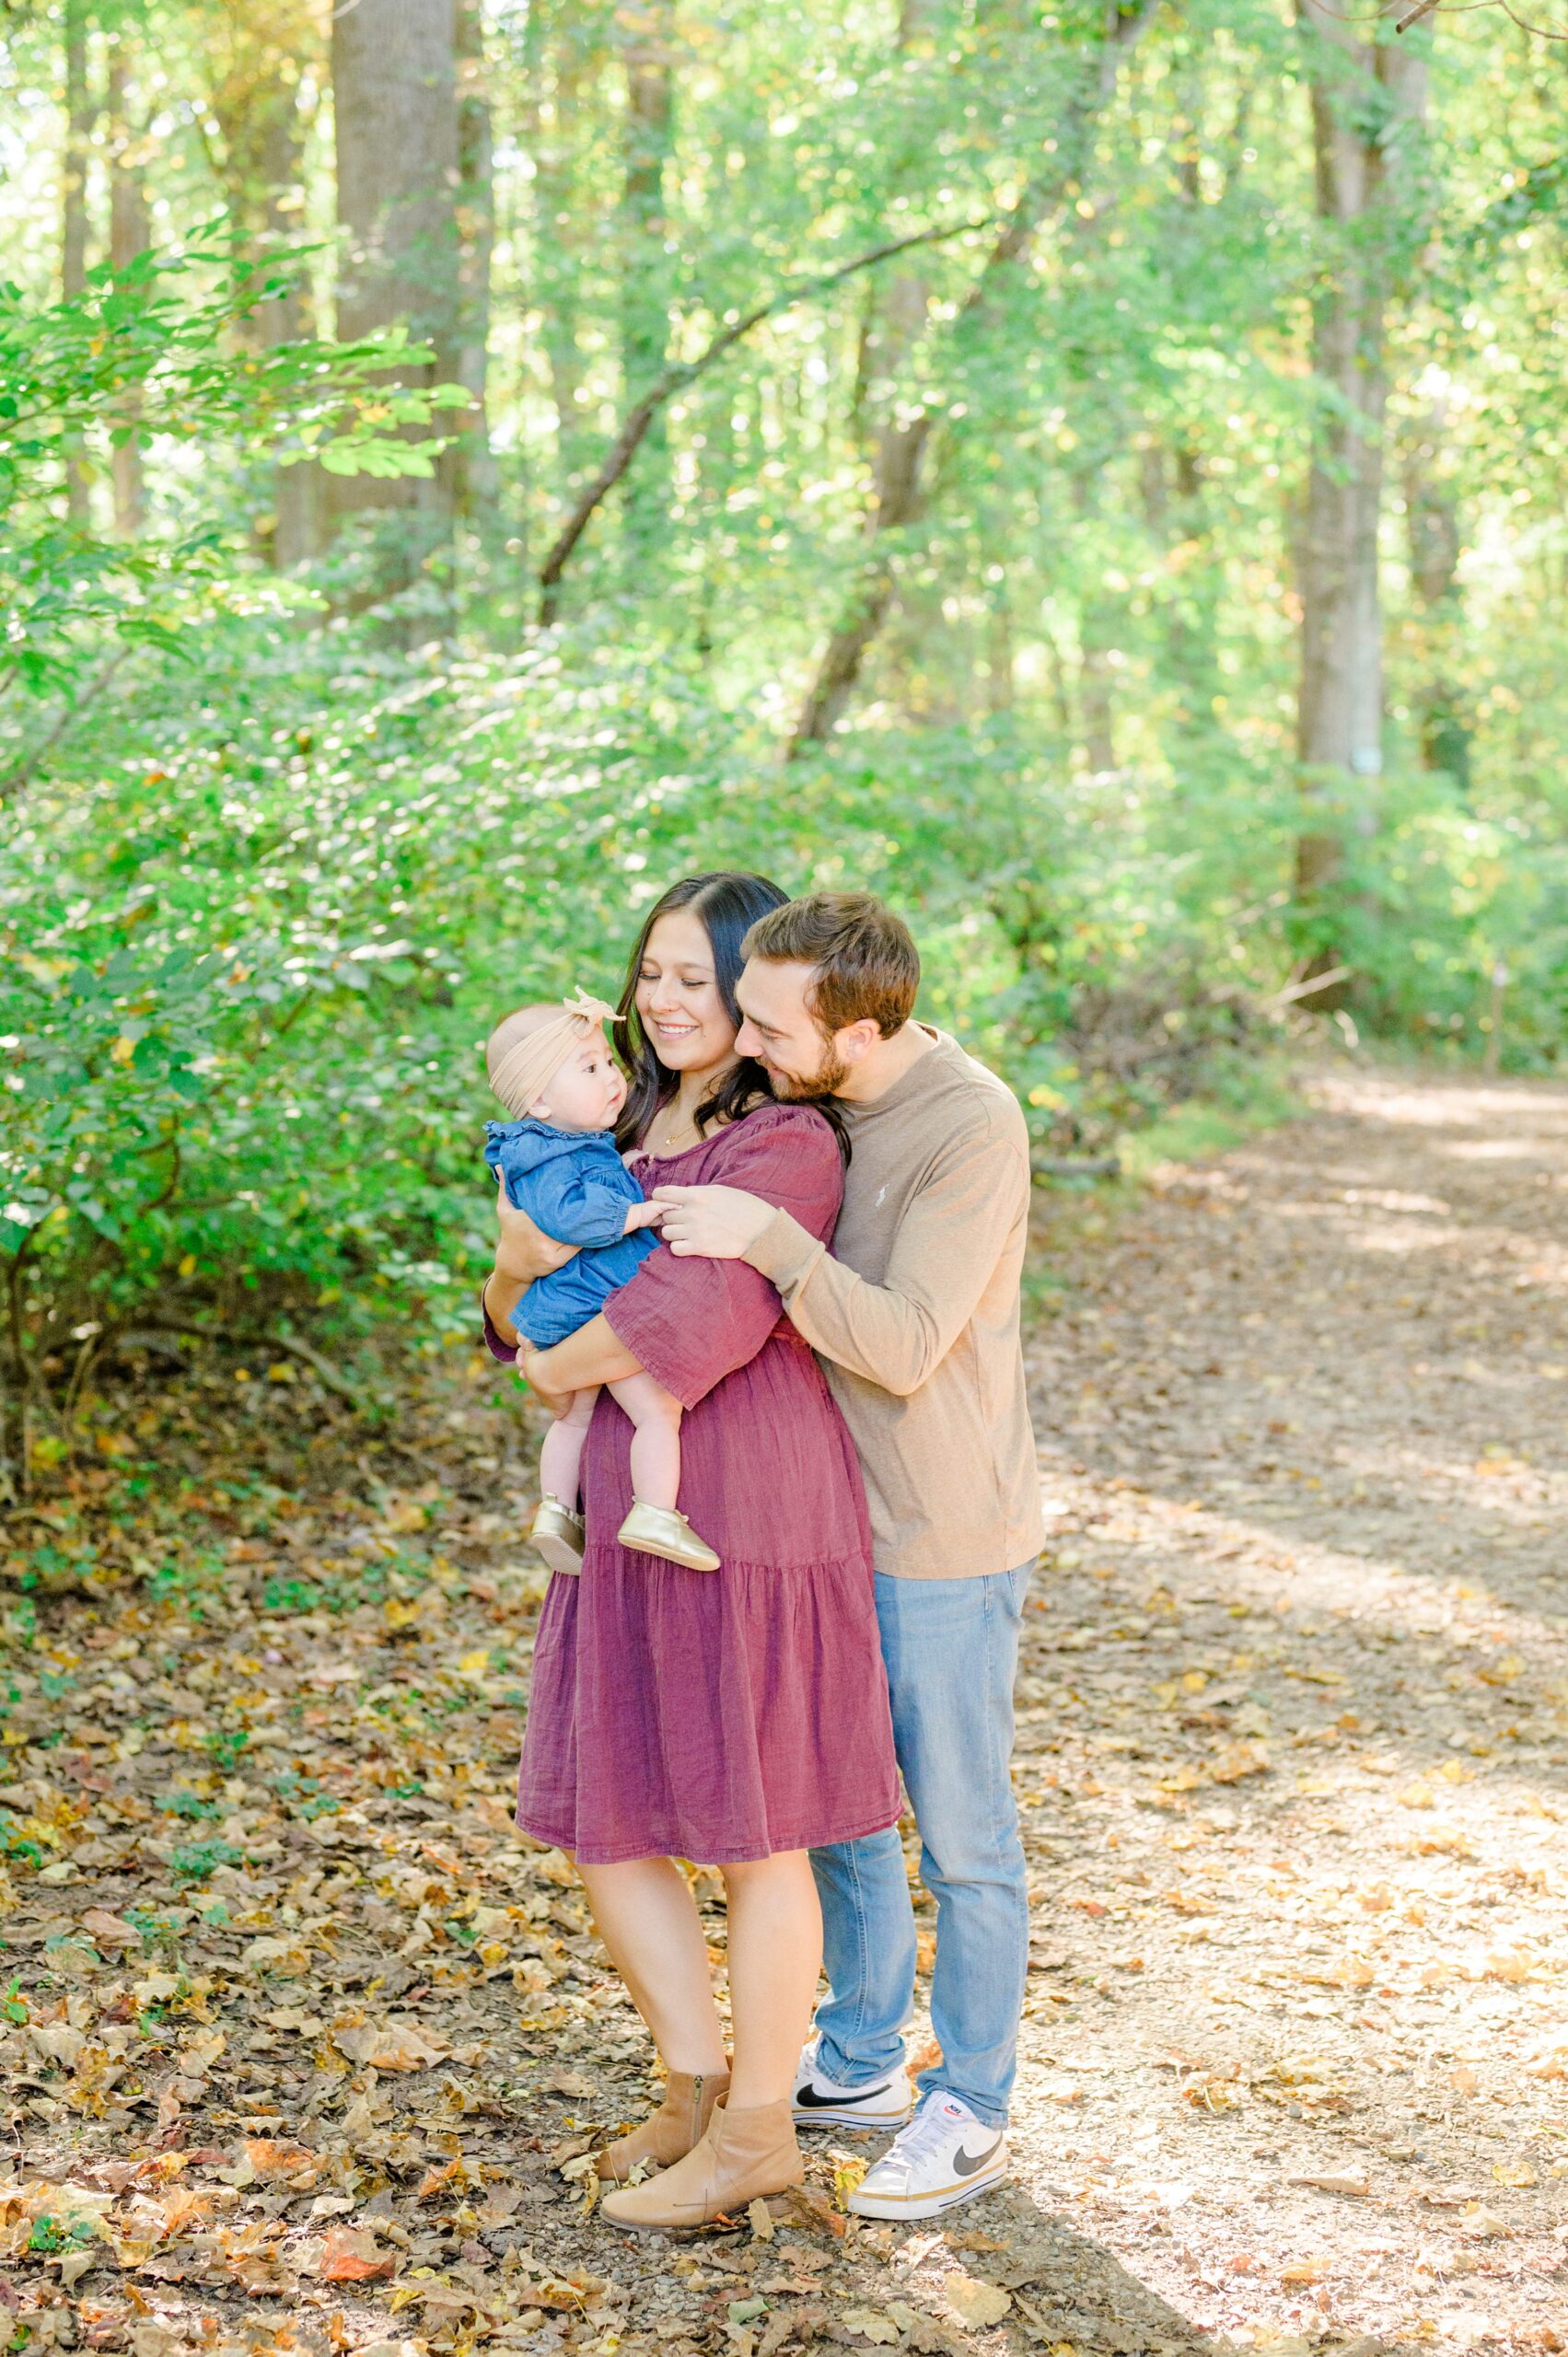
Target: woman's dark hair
(728,903)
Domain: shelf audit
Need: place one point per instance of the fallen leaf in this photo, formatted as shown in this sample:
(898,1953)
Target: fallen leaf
(977,2304)
(269,2158)
(354,2257)
(390,2046)
(110,1931)
(871,2325)
(1348,2181)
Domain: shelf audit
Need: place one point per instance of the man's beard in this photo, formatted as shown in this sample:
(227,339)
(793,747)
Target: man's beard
(790,1088)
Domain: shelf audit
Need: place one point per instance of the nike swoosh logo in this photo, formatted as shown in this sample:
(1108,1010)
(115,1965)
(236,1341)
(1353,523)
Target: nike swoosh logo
(810,2100)
(966,2164)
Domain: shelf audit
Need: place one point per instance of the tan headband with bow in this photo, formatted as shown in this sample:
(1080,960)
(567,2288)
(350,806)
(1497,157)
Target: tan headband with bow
(524,1072)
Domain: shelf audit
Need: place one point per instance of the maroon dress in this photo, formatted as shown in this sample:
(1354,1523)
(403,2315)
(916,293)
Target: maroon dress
(719,1715)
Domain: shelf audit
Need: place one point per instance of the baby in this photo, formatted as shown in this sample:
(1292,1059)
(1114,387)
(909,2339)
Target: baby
(556,1159)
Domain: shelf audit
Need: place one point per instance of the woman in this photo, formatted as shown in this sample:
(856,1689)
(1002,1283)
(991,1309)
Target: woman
(737,1717)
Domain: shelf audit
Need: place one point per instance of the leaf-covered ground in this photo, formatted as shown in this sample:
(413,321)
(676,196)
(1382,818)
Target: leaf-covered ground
(302,2042)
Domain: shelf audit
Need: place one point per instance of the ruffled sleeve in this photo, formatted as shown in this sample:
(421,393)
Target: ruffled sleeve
(689,1321)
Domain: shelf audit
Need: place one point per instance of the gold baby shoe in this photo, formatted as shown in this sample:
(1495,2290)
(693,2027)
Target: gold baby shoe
(662,1531)
(559,1535)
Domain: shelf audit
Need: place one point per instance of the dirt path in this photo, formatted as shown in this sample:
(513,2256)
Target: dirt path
(301,2044)
(1293,1733)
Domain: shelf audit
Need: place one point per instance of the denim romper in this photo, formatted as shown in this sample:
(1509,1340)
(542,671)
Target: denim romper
(573,1186)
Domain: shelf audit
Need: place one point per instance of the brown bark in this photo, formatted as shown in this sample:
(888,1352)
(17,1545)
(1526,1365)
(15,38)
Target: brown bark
(563,49)
(476,477)
(1367,97)
(128,237)
(396,120)
(894,324)
(647,49)
(80,116)
(896,473)
(257,49)
(1432,524)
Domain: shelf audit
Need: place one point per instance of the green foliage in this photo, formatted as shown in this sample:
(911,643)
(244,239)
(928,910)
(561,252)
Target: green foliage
(194,1862)
(243,1002)
(149,354)
(184,1803)
(270,866)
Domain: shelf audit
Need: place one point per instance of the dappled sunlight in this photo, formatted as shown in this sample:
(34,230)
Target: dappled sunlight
(1292,1745)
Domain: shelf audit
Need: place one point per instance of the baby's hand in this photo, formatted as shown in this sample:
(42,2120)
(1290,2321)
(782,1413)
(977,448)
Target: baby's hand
(641,1216)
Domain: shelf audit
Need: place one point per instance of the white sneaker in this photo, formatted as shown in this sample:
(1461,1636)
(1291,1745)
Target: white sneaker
(820,2102)
(944,2156)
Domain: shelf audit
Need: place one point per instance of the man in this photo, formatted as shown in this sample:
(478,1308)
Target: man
(915,1315)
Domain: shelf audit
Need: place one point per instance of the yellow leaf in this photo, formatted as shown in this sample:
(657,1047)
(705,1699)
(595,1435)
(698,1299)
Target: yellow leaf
(391,2046)
(870,2324)
(1477,2219)
(122,1049)
(1515,2173)
(976,2304)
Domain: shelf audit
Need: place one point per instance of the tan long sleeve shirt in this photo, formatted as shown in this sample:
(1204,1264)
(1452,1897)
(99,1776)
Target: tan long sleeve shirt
(915,1314)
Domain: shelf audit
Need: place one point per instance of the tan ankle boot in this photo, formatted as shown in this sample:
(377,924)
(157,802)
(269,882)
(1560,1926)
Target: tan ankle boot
(679,2122)
(744,2153)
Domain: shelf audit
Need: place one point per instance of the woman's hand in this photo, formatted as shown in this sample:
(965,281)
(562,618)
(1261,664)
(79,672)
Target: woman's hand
(537,1373)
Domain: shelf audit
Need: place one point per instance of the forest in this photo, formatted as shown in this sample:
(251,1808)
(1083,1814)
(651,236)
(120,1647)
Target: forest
(1094,476)
(1091,471)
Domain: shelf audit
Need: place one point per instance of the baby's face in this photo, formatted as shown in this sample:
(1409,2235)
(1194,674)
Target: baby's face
(587,1092)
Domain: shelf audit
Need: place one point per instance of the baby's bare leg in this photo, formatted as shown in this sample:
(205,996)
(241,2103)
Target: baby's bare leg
(656,1439)
(562,1454)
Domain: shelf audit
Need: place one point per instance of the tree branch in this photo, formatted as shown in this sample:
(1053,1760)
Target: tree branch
(838,668)
(636,425)
(27,768)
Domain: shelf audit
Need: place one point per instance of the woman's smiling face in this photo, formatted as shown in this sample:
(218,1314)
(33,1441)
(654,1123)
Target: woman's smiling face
(678,998)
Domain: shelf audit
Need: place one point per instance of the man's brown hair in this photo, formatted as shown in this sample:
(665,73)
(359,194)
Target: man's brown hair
(866,968)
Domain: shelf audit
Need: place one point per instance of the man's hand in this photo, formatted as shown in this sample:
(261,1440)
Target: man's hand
(714,1223)
(534,1368)
(525,1252)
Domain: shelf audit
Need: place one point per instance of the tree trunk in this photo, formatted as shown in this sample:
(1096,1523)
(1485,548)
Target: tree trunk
(902,446)
(80,116)
(396,118)
(128,237)
(559,218)
(1368,99)
(1432,523)
(477,486)
(257,48)
(648,47)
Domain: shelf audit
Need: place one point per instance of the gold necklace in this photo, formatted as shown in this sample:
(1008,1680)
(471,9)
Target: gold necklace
(672,1129)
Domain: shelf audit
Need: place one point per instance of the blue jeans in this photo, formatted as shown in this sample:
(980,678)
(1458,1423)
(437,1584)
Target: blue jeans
(951,1648)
